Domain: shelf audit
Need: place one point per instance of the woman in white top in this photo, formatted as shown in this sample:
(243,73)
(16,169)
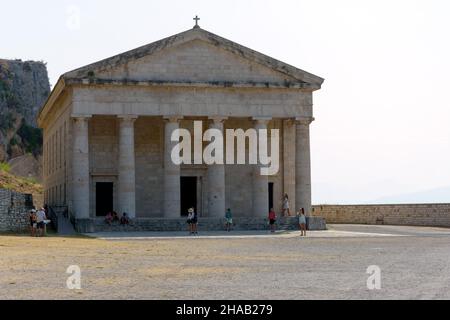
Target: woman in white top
(286,207)
(302,222)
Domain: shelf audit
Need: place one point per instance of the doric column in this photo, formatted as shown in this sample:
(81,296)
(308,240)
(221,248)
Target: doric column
(127,175)
(80,167)
(216,179)
(260,182)
(303,165)
(172,188)
(289,132)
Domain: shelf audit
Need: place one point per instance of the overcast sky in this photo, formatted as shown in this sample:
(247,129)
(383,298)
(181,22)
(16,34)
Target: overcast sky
(382,118)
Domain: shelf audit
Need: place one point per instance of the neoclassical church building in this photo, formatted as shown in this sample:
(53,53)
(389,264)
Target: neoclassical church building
(108,126)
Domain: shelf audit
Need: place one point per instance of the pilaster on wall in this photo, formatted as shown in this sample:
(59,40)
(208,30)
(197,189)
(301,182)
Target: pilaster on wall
(81,167)
(289,145)
(303,165)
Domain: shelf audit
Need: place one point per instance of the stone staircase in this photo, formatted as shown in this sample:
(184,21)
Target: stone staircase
(61,221)
(205,224)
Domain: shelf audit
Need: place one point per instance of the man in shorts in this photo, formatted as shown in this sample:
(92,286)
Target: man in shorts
(40,220)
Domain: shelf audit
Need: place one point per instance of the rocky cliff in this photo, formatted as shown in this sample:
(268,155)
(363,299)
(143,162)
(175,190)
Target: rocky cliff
(24,87)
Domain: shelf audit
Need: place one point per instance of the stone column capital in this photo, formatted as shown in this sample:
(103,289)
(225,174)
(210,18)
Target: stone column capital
(127,118)
(81,117)
(290,121)
(173,118)
(218,119)
(306,121)
(262,120)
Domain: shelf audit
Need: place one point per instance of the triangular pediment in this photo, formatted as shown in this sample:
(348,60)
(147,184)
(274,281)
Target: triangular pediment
(195,56)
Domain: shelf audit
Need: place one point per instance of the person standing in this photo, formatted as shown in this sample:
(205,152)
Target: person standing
(33,223)
(286,206)
(228,219)
(40,221)
(272,220)
(192,221)
(189,220)
(302,222)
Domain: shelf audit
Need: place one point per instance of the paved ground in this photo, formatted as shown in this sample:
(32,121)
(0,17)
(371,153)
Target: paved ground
(414,263)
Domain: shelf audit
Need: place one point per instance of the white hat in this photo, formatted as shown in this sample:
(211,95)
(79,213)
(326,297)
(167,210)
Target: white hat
(191,210)
(33,210)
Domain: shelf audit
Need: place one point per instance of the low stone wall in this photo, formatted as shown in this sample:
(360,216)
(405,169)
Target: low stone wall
(204,224)
(14,208)
(437,215)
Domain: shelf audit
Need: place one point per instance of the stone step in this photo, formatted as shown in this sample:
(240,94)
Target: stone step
(62,224)
(205,224)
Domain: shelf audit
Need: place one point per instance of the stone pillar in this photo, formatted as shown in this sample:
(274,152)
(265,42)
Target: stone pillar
(303,165)
(260,182)
(172,187)
(127,176)
(80,168)
(289,132)
(216,179)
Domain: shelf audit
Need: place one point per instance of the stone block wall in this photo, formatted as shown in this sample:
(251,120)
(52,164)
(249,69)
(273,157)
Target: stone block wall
(396,214)
(14,208)
(149,153)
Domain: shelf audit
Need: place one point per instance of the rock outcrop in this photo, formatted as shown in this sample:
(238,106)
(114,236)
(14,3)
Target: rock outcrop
(24,87)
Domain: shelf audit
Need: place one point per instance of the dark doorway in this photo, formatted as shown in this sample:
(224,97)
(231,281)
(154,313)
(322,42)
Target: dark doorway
(270,195)
(104,198)
(188,194)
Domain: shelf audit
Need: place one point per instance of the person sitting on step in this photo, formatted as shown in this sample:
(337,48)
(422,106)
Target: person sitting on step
(115,217)
(109,218)
(124,220)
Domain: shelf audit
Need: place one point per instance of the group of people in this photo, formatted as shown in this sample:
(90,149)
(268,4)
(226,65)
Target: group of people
(192,220)
(301,221)
(301,214)
(113,217)
(38,222)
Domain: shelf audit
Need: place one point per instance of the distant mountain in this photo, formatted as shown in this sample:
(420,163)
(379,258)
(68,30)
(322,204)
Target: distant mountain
(24,87)
(437,195)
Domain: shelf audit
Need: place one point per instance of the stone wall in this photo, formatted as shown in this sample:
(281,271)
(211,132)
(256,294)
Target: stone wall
(57,155)
(395,214)
(14,208)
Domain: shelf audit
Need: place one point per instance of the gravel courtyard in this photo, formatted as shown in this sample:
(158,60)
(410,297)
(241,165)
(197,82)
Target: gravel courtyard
(414,262)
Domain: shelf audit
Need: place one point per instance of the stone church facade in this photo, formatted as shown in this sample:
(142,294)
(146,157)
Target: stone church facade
(107,129)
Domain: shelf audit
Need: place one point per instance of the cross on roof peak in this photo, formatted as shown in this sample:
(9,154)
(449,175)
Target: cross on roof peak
(196,22)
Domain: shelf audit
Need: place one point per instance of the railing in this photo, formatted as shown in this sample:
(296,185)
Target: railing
(56,213)
(53,218)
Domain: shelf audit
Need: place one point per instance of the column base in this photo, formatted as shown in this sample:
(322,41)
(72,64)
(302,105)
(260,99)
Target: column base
(85,225)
